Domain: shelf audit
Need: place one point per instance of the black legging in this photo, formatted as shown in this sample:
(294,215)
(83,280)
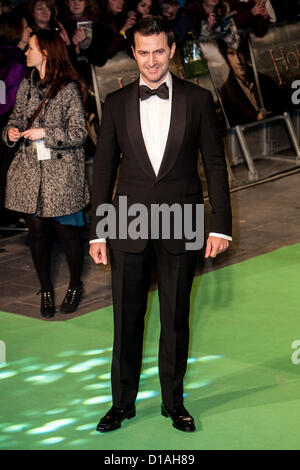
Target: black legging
(40,241)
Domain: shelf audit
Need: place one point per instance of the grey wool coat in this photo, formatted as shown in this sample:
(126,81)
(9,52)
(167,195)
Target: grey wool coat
(55,187)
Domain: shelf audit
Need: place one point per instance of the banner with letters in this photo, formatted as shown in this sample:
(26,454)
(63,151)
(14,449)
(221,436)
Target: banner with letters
(277,55)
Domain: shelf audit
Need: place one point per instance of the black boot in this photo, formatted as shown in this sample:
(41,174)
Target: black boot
(47,303)
(71,300)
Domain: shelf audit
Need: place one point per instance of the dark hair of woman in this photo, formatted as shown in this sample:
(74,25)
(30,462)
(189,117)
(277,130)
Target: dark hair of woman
(59,70)
(50,4)
(222,7)
(109,18)
(91,10)
(11,28)
(132,5)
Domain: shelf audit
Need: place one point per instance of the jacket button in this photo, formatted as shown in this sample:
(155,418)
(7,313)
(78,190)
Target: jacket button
(59,142)
(59,156)
(27,143)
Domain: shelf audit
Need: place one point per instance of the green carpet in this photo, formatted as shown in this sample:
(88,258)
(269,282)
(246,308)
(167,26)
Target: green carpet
(242,386)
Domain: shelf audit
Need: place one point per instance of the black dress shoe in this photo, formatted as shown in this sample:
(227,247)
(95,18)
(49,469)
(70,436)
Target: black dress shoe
(181,418)
(71,300)
(47,303)
(113,419)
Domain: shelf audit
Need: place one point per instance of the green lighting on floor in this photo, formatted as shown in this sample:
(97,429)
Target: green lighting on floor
(85,427)
(93,352)
(87,365)
(56,412)
(209,358)
(241,385)
(99,386)
(97,400)
(51,426)
(15,428)
(52,440)
(152,371)
(44,379)
(55,367)
(147,394)
(199,384)
(7,374)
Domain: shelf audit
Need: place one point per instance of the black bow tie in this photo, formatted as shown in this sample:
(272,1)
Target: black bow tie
(162,92)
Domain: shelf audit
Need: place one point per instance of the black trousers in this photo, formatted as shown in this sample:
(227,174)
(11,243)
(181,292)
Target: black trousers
(131,277)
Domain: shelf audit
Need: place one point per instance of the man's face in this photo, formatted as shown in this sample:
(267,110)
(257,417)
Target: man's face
(237,62)
(153,55)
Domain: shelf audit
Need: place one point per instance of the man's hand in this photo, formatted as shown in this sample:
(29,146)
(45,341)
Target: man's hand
(34,134)
(215,245)
(98,252)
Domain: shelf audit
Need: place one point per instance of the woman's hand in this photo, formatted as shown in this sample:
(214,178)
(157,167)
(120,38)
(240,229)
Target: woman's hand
(79,36)
(63,34)
(259,9)
(211,19)
(131,20)
(34,134)
(14,134)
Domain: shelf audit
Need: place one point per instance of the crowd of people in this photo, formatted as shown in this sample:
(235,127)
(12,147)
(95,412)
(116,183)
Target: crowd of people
(46,47)
(94,31)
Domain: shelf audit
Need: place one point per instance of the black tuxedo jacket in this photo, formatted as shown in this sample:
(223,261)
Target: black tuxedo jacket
(193,126)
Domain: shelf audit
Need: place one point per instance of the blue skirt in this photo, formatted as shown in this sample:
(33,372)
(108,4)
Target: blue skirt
(72,219)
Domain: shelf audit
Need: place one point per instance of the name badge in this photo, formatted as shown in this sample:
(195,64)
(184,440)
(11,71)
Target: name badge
(43,152)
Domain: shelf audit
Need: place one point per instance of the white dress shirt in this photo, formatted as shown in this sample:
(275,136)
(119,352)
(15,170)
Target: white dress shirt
(155,117)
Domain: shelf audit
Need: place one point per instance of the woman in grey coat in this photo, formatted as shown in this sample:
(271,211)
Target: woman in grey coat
(47,179)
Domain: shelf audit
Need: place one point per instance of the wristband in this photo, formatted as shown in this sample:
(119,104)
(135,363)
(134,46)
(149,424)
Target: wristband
(123,33)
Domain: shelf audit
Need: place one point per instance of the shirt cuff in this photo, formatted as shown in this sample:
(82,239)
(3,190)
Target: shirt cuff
(212,234)
(220,235)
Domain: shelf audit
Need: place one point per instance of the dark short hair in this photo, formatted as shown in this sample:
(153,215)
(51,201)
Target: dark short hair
(171,3)
(11,28)
(243,48)
(149,26)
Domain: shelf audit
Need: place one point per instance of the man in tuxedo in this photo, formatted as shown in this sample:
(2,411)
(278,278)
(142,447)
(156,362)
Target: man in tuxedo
(158,124)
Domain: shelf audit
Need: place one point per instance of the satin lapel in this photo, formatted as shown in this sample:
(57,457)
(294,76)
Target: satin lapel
(134,129)
(177,127)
